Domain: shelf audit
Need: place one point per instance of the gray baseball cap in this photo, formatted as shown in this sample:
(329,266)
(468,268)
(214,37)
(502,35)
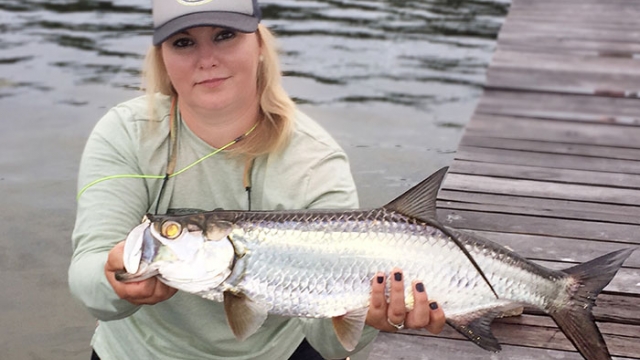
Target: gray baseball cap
(172,16)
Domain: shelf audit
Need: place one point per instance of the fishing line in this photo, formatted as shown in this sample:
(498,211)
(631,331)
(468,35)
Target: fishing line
(138,176)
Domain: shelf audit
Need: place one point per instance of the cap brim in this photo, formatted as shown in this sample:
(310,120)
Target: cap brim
(240,22)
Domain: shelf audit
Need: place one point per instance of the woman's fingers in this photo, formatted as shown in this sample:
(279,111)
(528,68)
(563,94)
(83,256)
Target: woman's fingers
(387,315)
(396,311)
(114,259)
(378,302)
(420,316)
(437,319)
(391,314)
(149,291)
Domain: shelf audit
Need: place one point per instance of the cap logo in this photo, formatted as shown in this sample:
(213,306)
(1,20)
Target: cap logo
(193,2)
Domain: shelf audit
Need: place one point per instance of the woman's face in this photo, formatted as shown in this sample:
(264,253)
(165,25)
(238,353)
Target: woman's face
(213,68)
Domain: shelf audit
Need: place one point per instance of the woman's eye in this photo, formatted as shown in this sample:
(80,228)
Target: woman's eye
(182,42)
(225,35)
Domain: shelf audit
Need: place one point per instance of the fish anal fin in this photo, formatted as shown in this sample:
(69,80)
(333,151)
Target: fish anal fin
(349,327)
(420,201)
(476,326)
(243,315)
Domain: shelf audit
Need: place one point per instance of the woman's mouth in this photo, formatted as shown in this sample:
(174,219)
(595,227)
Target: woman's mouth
(212,82)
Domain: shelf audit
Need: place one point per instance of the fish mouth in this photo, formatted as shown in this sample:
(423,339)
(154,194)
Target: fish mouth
(140,248)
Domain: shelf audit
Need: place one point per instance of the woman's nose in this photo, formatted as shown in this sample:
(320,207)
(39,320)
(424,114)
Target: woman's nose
(207,56)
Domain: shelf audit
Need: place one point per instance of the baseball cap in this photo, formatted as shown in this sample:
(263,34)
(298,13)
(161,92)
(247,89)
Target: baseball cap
(172,16)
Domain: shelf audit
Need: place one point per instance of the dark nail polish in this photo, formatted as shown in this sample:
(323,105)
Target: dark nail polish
(420,287)
(397,276)
(380,279)
(433,306)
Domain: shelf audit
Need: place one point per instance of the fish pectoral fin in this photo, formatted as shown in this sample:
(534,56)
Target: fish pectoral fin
(477,325)
(349,326)
(244,315)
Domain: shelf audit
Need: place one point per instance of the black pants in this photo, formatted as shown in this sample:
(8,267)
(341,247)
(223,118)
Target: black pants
(303,352)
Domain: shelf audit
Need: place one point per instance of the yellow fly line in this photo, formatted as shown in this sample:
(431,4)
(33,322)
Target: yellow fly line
(173,156)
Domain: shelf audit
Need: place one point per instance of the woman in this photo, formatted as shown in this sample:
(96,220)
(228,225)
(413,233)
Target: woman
(215,130)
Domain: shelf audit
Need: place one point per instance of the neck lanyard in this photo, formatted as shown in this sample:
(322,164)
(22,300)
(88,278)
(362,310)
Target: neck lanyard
(173,156)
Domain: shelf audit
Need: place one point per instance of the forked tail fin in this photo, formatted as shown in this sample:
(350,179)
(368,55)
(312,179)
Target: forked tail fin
(576,319)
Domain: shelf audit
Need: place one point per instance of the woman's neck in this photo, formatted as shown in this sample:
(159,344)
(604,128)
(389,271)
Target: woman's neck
(219,127)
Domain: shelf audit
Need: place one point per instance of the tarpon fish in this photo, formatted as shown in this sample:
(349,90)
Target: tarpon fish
(320,264)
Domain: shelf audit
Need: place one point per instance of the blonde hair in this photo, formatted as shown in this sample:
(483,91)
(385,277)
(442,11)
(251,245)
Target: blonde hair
(276,107)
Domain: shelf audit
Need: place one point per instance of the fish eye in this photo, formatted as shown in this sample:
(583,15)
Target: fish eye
(171,229)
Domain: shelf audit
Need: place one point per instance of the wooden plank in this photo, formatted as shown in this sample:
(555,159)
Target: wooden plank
(598,109)
(532,225)
(543,146)
(546,4)
(555,131)
(576,82)
(532,41)
(547,44)
(545,321)
(541,189)
(607,19)
(557,71)
(623,7)
(562,63)
(502,156)
(399,346)
(555,175)
(559,209)
(559,214)
(535,203)
(583,32)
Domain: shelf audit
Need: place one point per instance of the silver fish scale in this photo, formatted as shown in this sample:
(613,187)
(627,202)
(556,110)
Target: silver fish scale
(321,265)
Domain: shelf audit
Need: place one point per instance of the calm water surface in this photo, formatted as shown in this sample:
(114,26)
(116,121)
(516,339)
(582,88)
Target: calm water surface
(395,81)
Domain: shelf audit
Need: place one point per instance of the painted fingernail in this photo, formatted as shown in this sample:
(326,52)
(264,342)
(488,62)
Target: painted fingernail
(433,306)
(397,276)
(420,287)
(380,279)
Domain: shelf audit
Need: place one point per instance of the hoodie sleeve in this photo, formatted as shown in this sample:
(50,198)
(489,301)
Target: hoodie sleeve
(106,211)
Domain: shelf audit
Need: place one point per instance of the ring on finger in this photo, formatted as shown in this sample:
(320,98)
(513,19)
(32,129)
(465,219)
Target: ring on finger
(397,326)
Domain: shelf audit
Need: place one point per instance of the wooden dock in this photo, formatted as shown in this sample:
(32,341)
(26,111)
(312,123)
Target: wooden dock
(549,165)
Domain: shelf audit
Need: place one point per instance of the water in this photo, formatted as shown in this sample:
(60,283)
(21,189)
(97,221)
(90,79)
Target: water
(395,81)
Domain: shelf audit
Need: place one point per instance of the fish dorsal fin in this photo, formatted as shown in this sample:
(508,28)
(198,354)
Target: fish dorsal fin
(243,315)
(349,327)
(184,211)
(420,201)
(477,325)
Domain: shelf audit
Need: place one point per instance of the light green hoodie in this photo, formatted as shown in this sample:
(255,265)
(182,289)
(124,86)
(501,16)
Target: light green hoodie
(311,172)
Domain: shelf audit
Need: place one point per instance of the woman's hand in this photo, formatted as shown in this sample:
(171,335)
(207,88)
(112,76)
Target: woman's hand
(146,292)
(393,316)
